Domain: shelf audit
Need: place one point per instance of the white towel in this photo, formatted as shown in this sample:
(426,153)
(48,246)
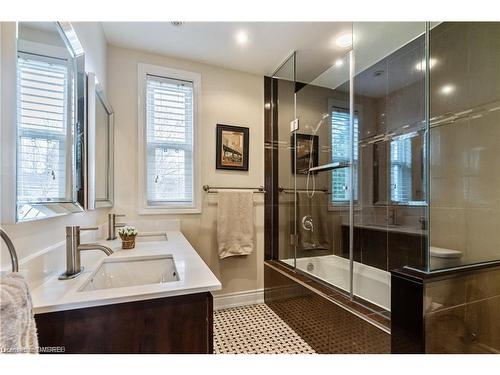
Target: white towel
(235,223)
(17,323)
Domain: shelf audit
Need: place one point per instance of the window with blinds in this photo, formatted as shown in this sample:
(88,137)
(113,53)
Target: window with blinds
(42,124)
(401,173)
(169,134)
(340,153)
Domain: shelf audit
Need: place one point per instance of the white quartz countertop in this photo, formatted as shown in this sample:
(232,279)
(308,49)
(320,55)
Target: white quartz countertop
(194,277)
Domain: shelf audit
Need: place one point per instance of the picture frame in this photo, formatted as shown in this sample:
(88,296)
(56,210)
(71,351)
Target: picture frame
(301,152)
(232,144)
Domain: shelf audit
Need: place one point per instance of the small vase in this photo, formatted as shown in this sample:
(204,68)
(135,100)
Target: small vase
(128,242)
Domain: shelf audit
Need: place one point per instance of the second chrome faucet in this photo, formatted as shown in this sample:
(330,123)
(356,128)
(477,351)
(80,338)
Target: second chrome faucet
(112,225)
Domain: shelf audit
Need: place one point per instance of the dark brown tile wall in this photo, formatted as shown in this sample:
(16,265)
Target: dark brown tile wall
(462,313)
(324,325)
(384,250)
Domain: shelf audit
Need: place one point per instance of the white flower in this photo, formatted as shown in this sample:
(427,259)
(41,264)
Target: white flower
(127,231)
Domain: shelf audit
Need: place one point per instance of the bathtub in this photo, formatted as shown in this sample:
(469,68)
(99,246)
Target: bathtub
(370,283)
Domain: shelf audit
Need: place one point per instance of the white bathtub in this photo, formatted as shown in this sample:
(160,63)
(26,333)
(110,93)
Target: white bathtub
(370,283)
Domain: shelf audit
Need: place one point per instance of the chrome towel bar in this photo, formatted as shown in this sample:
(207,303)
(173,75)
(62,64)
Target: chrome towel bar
(291,191)
(214,189)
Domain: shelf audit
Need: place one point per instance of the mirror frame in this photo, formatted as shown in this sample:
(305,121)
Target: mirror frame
(96,92)
(76,203)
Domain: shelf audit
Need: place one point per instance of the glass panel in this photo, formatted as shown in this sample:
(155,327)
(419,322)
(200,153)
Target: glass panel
(283,90)
(323,141)
(464,143)
(390,211)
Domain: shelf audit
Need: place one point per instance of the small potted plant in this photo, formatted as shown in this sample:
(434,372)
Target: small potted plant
(127,234)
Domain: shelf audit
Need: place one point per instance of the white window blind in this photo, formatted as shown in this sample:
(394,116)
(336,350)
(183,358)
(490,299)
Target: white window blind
(401,173)
(42,123)
(340,153)
(169,132)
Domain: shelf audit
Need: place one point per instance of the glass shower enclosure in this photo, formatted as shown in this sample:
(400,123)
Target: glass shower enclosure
(380,151)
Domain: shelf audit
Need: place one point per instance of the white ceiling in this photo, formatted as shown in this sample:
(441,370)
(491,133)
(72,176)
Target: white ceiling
(269,43)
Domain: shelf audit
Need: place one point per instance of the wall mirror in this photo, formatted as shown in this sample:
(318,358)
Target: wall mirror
(100,146)
(50,121)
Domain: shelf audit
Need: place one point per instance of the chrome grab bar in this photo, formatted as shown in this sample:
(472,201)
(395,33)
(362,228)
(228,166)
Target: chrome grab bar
(12,250)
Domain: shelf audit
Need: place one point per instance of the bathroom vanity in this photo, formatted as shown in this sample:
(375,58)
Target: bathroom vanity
(152,299)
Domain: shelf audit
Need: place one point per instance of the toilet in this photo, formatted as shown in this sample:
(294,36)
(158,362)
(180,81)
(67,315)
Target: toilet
(444,258)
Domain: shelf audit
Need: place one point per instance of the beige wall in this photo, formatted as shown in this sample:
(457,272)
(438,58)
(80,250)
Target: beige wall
(34,236)
(227,97)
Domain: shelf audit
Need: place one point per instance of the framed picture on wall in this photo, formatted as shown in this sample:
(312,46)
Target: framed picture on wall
(232,147)
(305,153)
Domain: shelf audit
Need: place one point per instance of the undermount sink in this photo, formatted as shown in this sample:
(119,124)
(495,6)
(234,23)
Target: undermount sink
(120,272)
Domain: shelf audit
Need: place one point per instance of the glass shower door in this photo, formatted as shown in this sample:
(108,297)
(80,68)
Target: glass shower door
(283,90)
(322,154)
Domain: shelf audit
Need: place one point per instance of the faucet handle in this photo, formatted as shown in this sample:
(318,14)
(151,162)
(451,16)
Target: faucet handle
(89,228)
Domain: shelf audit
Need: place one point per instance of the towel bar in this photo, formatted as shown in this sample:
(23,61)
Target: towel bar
(214,189)
(292,191)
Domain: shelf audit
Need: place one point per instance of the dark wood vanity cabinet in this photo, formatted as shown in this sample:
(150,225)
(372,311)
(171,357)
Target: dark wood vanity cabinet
(180,324)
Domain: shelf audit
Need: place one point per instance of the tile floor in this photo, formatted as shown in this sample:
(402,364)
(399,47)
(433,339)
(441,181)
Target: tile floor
(255,329)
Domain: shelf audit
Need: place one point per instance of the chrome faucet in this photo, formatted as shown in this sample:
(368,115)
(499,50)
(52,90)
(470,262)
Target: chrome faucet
(423,222)
(112,225)
(392,219)
(73,249)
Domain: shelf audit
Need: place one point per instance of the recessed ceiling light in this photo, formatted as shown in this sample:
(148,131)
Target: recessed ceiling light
(338,63)
(241,37)
(447,89)
(420,66)
(344,40)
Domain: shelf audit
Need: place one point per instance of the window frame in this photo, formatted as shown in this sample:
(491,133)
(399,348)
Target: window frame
(145,208)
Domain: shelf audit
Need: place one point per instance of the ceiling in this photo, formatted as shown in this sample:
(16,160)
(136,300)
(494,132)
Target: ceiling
(268,45)
(271,43)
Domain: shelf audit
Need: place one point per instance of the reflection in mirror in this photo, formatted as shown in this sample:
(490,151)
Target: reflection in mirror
(391,93)
(100,146)
(49,157)
(398,170)
(407,170)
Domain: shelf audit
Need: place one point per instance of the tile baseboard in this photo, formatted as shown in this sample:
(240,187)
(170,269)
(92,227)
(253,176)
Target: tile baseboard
(247,297)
